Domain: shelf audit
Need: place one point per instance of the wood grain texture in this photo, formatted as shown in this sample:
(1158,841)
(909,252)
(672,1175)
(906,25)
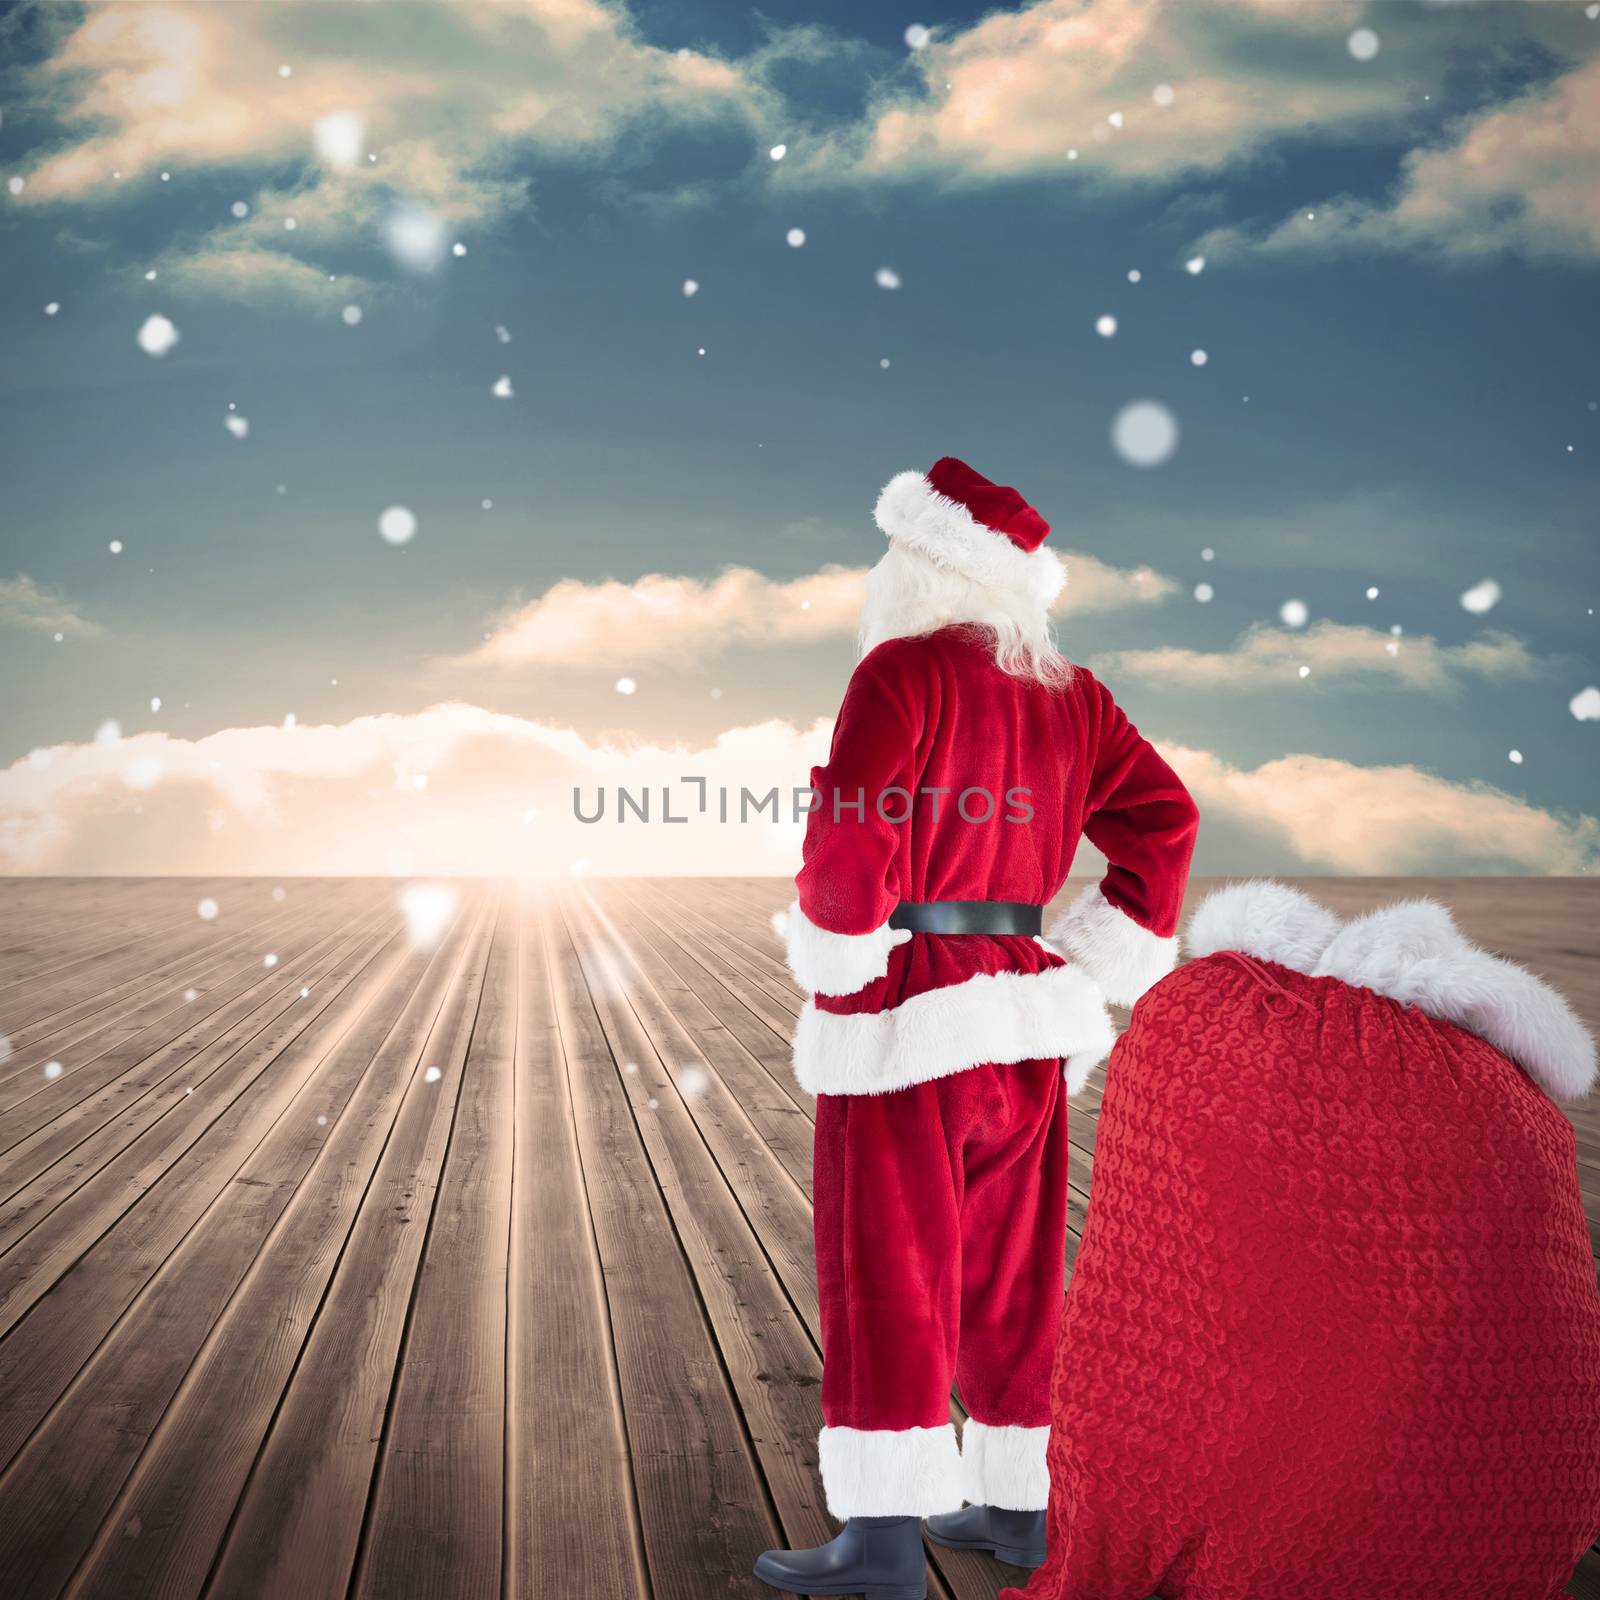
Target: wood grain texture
(283,1313)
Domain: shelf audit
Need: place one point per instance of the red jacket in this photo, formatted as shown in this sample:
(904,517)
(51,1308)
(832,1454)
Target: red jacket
(950,779)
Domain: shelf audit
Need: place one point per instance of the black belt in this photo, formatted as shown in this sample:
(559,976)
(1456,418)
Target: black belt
(968,916)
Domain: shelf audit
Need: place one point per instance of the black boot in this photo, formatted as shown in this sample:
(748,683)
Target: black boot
(878,1557)
(1016,1537)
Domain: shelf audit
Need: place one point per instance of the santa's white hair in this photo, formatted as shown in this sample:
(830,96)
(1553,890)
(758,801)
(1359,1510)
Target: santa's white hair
(908,594)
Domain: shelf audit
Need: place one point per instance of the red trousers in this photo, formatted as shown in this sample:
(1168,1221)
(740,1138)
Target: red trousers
(941,1215)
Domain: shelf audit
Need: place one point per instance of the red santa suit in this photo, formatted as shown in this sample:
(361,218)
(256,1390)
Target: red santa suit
(1333,1331)
(941,1149)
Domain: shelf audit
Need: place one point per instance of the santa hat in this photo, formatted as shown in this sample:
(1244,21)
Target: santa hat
(961,521)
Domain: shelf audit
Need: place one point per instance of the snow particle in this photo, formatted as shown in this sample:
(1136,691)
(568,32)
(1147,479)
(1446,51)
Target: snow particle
(795,237)
(886,278)
(458,249)
(432,1075)
(1134,275)
(238,426)
(1514,757)
(1305,671)
(693,1081)
(488,505)
(652,1102)
(207,910)
(1592,13)
(338,138)
(1295,613)
(1194,266)
(240,209)
(157,335)
(115,547)
(155,702)
(1481,598)
(1372,592)
(502,333)
(351,315)
(1163,94)
(285,71)
(398,524)
(1204,593)
(883,361)
(778,152)
(1072,155)
(428,909)
(191,995)
(269,960)
(701,350)
(1145,433)
(150,276)
(16,185)
(1198,358)
(415,237)
(501,388)
(917,36)
(1105,326)
(1362,44)
(322,1122)
(1208,554)
(51,309)
(1585,704)
(108,734)
(626,686)
(52,1069)
(690,288)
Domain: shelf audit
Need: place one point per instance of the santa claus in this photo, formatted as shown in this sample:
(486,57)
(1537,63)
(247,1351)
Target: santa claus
(943,1034)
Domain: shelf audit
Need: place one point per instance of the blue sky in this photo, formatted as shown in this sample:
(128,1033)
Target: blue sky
(1398,307)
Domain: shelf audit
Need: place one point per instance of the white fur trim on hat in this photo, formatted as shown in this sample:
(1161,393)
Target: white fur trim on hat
(1264,919)
(1005,1466)
(1414,953)
(890,1472)
(992,1016)
(912,512)
(1123,958)
(837,963)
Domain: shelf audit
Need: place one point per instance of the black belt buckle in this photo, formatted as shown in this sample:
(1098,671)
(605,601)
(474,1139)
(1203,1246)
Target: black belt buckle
(969,916)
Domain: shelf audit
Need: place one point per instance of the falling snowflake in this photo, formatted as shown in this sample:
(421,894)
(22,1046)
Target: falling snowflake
(269,960)
(693,1081)
(1372,592)
(1204,593)
(191,995)
(1105,326)
(1163,94)
(626,686)
(415,237)
(1135,275)
(1145,433)
(338,138)
(280,894)
(1208,554)
(351,315)
(52,1069)
(488,505)
(1194,266)
(917,36)
(1514,757)
(305,993)
(1363,44)
(1305,672)
(207,910)
(428,909)
(285,71)
(778,152)
(432,1075)
(108,734)
(795,237)
(883,361)
(886,278)
(690,288)
(16,185)
(157,335)
(501,388)
(398,524)
(238,426)
(1585,704)
(240,209)
(1115,119)
(502,333)
(1295,613)
(652,1102)
(51,309)
(458,249)
(115,547)
(1198,357)
(1481,598)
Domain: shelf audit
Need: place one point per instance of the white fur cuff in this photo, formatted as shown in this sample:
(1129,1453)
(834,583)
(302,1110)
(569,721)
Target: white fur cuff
(1113,949)
(990,1017)
(1005,1467)
(890,1472)
(837,963)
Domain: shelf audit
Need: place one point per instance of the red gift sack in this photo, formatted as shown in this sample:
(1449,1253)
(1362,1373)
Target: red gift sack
(1333,1332)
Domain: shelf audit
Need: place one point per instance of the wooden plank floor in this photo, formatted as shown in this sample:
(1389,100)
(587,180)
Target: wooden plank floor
(331,1266)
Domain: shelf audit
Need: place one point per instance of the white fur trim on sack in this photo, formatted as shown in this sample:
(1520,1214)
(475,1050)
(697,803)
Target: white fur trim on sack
(1123,958)
(1005,1466)
(992,1016)
(1414,953)
(912,512)
(837,963)
(890,1472)
(1264,919)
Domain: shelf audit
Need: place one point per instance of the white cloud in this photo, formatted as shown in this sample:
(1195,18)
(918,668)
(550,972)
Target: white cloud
(1333,816)
(447,97)
(1265,656)
(666,617)
(27,604)
(248,272)
(345,799)
(1520,176)
(1071,83)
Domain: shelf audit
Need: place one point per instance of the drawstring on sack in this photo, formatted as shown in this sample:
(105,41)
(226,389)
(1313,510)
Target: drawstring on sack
(1279,992)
